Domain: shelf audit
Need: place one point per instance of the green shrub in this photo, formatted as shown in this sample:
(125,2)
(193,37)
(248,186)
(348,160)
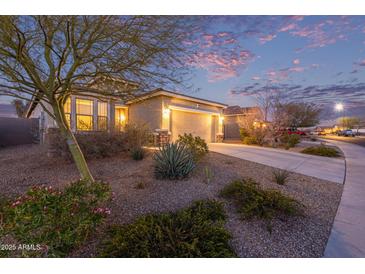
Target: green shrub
(253,201)
(137,153)
(254,135)
(251,140)
(197,145)
(94,145)
(280,176)
(196,231)
(321,150)
(137,136)
(244,133)
(290,140)
(57,221)
(173,161)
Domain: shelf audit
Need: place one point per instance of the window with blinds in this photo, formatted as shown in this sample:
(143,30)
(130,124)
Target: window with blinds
(84,114)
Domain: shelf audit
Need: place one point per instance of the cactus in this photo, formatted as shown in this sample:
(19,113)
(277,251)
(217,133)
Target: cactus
(173,161)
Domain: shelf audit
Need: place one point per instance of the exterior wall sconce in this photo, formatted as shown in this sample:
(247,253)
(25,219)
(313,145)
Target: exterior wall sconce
(166,113)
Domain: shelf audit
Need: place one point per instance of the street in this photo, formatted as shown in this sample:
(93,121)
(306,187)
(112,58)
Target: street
(353,140)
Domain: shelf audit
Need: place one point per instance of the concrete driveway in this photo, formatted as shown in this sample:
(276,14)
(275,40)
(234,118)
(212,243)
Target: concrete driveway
(320,167)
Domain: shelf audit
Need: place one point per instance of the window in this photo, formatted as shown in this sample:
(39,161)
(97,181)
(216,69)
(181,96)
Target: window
(67,110)
(84,114)
(102,116)
(120,118)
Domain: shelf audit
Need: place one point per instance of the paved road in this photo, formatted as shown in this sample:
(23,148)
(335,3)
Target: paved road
(347,237)
(353,140)
(316,166)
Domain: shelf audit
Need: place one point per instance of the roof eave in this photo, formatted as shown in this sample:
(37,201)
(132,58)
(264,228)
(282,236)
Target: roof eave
(162,92)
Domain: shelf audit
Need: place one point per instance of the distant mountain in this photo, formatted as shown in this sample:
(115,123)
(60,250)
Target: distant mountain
(7,110)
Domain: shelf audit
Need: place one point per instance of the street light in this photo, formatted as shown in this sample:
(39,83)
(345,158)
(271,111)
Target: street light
(339,107)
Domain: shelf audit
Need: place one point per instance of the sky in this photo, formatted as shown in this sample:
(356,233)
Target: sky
(317,59)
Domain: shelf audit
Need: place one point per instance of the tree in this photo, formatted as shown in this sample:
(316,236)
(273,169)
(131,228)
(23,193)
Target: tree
(48,58)
(350,122)
(20,107)
(292,114)
(266,99)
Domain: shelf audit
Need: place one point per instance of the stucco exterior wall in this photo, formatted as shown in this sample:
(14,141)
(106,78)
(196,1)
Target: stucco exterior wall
(147,112)
(45,120)
(185,103)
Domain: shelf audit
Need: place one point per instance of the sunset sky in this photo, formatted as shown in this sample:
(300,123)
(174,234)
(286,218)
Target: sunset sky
(314,58)
(319,59)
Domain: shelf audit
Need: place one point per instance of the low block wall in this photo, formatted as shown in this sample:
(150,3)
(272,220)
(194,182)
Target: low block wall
(18,131)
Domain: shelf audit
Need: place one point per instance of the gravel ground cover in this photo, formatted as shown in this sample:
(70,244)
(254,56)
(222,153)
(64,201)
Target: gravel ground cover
(138,193)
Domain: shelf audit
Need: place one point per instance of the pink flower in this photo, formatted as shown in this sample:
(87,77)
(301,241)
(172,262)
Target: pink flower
(16,203)
(102,211)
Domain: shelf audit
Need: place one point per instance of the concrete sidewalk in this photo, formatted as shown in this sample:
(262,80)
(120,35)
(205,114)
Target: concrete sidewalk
(316,166)
(347,237)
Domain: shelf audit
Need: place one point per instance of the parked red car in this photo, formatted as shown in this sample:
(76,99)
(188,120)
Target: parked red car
(293,130)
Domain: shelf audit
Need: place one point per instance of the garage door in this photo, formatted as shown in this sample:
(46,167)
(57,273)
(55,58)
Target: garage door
(195,123)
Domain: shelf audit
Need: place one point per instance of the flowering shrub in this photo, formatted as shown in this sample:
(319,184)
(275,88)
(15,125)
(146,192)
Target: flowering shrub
(55,221)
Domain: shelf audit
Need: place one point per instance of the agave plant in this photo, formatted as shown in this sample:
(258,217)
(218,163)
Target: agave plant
(173,161)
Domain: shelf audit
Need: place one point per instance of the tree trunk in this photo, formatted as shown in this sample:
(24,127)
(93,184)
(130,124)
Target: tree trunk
(72,144)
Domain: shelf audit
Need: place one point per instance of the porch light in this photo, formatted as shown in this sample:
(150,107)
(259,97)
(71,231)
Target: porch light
(166,113)
(122,117)
(221,119)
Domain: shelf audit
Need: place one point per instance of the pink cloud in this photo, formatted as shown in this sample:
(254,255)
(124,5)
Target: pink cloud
(324,33)
(229,41)
(297,17)
(223,34)
(288,27)
(221,65)
(276,76)
(219,39)
(267,38)
(296,61)
(296,69)
(208,37)
(361,63)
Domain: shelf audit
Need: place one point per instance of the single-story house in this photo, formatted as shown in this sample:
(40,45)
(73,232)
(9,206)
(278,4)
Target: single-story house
(166,113)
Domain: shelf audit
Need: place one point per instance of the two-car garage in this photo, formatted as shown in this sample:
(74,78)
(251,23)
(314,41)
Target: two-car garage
(197,122)
(174,114)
